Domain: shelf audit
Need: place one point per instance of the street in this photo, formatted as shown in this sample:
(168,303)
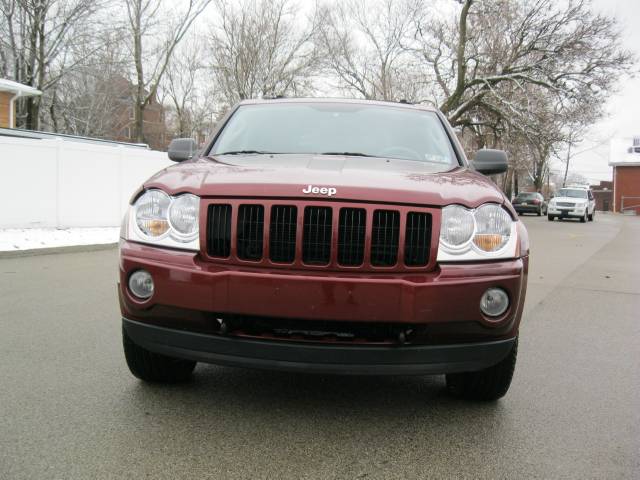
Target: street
(69,408)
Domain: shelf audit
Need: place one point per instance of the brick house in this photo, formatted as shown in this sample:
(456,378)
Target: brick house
(603,194)
(9,92)
(123,130)
(626,175)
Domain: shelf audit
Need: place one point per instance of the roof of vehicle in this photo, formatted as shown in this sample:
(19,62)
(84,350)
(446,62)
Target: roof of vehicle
(578,187)
(260,101)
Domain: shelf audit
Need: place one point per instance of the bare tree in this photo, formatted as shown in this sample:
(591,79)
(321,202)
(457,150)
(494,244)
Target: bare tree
(565,49)
(152,47)
(189,88)
(259,49)
(35,36)
(91,98)
(364,48)
(534,78)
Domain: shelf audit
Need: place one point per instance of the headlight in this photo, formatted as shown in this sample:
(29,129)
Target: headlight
(159,219)
(487,232)
(183,216)
(457,227)
(151,213)
(493,228)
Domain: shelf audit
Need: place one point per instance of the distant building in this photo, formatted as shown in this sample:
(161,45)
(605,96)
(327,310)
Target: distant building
(625,160)
(123,126)
(603,194)
(9,92)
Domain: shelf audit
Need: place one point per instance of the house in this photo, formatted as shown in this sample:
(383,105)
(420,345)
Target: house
(603,194)
(625,160)
(9,92)
(123,128)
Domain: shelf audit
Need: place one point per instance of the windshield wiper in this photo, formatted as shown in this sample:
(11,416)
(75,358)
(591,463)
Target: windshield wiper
(245,152)
(348,154)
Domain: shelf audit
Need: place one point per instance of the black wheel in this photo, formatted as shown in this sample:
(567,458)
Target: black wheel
(154,367)
(489,384)
(550,218)
(583,219)
(592,215)
(539,212)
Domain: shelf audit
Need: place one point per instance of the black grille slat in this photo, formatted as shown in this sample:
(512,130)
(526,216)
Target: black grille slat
(219,241)
(282,233)
(250,232)
(384,238)
(417,239)
(316,235)
(351,235)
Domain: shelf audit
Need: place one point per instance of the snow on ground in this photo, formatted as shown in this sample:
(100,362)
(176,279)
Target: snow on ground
(29,238)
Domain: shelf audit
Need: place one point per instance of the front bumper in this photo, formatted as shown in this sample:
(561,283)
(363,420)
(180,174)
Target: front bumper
(577,212)
(304,357)
(446,299)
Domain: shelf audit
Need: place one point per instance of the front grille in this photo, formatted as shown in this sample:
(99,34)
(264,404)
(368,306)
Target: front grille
(416,240)
(250,232)
(351,233)
(336,235)
(384,238)
(316,235)
(566,204)
(282,233)
(219,234)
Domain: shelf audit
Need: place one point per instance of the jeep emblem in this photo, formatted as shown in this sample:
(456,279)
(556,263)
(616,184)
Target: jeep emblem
(328,191)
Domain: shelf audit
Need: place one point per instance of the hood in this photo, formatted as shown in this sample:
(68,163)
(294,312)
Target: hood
(375,180)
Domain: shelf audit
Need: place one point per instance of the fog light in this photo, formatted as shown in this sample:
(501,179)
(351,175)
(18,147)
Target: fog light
(494,302)
(141,284)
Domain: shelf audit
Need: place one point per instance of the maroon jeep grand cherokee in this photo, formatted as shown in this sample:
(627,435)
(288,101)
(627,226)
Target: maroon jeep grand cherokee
(331,236)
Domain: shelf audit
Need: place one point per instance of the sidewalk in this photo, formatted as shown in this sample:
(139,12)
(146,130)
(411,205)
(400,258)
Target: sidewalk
(21,239)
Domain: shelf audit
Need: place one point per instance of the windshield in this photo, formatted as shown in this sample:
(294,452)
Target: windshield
(527,195)
(572,192)
(337,129)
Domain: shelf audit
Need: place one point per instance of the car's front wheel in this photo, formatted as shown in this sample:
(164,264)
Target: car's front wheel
(584,218)
(154,367)
(489,384)
(550,218)
(593,214)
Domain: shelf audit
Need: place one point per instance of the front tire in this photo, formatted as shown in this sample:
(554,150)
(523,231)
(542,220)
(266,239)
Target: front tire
(487,385)
(154,367)
(583,219)
(592,215)
(550,218)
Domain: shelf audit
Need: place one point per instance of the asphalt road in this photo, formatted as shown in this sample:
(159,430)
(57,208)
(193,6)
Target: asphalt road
(70,409)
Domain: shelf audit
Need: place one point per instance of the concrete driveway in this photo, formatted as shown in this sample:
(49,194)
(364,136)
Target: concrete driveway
(70,409)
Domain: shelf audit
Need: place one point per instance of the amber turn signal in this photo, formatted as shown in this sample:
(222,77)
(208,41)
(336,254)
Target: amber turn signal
(488,242)
(157,227)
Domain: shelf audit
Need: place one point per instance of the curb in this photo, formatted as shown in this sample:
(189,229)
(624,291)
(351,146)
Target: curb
(55,250)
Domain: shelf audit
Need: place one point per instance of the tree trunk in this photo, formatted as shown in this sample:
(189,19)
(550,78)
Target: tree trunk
(566,167)
(138,121)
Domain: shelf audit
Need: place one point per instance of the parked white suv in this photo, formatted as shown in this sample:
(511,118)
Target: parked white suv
(572,202)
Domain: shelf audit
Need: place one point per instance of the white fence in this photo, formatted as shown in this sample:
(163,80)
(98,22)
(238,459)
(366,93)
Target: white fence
(61,183)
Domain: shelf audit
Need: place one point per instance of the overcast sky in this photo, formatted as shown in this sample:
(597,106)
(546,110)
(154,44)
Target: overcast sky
(624,108)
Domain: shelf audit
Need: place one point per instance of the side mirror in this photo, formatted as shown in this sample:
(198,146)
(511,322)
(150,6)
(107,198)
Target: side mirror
(490,162)
(181,149)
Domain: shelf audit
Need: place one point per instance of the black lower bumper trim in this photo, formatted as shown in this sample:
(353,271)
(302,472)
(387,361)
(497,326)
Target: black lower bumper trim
(318,358)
